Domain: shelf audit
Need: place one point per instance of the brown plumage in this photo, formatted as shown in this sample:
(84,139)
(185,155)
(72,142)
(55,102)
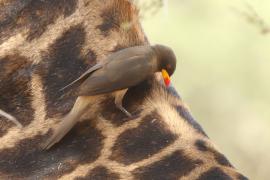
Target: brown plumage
(120,71)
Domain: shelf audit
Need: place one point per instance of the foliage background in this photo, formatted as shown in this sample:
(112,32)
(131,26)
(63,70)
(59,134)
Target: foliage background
(223,72)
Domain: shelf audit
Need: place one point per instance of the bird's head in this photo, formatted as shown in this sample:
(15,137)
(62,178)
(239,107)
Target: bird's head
(166,61)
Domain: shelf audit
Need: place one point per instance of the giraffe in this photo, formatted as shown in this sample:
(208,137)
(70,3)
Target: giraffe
(46,44)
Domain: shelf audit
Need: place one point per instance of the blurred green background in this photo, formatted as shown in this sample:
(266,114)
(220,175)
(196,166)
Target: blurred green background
(223,73)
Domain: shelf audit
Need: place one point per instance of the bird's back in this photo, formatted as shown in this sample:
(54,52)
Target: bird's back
(124,69)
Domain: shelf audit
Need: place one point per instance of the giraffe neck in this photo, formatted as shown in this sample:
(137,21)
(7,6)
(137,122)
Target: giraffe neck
(44,45)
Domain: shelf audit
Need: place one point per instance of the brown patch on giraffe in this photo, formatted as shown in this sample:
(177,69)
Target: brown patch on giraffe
(91,57)
(118,47)
(221,159)
(4,126)
(201,145)
(15,90)
(171,167)
(151,134)
(99,173)
(117,13)
(62,65)
(26,160)
(122,15)
(32,15)
(214,174)
(22,159)
(184,113)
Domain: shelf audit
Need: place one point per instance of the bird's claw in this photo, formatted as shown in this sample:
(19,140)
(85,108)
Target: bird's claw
(124,111)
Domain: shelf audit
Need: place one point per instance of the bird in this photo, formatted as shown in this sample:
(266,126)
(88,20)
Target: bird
(116,74)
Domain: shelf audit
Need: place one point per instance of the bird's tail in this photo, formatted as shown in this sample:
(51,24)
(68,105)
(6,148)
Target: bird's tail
(68,122)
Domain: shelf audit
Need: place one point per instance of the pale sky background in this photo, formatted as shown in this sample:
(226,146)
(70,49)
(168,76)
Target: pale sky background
(223,74)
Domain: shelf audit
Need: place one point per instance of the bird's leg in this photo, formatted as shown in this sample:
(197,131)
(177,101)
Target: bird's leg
(11,118)
(119,95)
(69,120)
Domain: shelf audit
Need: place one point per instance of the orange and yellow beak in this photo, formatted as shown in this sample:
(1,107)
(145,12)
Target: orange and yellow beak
(166,77)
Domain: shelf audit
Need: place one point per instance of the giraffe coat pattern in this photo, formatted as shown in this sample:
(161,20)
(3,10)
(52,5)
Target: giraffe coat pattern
(46,44)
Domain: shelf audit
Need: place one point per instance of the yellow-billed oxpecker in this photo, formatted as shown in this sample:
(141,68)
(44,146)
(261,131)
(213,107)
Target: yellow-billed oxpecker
(119,71)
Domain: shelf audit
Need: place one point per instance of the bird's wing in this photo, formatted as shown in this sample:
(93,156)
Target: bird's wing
(117,75)
(84,75)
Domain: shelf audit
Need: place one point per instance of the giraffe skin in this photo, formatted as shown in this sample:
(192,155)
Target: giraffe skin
(45,44)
